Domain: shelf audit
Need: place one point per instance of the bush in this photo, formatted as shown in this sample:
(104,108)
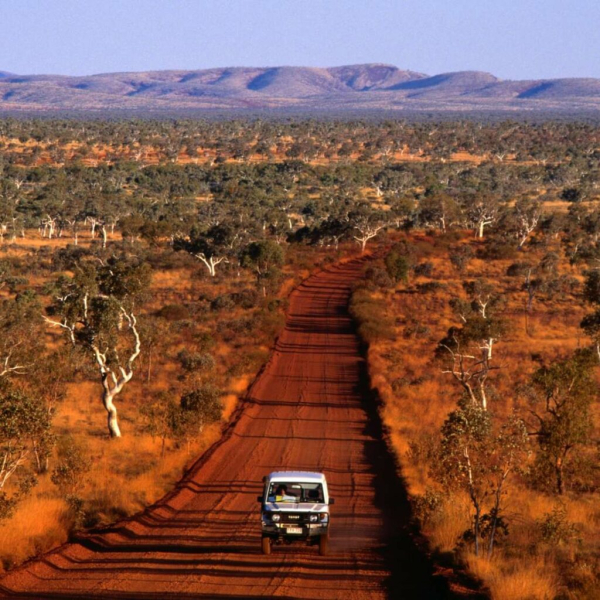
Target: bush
(373,323)
(223,302)
(497,249)
(427,506)
(378,277)
(461,256)
(7,505)
(174,312)
(424,269)
(64,259)
(205,341)
(202,406)
(555,529)
(72,466)
(518,269)
(196,361)
(430,287)
(246,299)
(397,266)
(572,194)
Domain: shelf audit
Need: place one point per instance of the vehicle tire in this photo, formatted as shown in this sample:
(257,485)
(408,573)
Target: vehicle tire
(266,544)
(324,545)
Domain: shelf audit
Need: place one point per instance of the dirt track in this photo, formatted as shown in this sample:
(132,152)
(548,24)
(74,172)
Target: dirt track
(307,411)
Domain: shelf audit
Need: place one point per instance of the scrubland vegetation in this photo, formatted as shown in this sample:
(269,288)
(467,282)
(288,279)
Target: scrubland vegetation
(144,268)
(489,389)
(202,340)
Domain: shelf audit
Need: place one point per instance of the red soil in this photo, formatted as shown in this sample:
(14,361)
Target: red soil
(309,410)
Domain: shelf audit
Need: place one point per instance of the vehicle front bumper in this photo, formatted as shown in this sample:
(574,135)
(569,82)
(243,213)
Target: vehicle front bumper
(308,530)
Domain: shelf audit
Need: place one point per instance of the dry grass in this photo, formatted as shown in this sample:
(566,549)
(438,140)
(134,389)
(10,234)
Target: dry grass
(128,474)
(417,397)
(39,524)
(531,579)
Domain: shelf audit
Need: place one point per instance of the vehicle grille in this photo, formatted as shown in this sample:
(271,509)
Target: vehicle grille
(299,518)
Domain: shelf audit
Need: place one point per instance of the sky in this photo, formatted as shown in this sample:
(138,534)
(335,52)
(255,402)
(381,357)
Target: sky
(513,39)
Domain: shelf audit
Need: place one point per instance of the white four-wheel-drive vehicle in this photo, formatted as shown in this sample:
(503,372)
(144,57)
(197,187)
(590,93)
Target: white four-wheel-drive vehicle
(295,507)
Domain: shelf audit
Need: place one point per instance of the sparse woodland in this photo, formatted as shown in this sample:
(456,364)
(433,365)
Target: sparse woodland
(484,355)
(144,269)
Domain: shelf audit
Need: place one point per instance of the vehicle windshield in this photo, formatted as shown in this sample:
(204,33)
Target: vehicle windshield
(281,491)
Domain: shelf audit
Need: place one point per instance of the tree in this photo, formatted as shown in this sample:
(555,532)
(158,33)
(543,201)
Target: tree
(202,406)
(470,347)
(21,342)
(560,398)
(97,309)
(264,257)
(438,210)
(398,265)
(591,293)
(478,457)
(527,216)
(367,223)
(331,231)
(461,256)
(24,427)
(211,247)
(482,211)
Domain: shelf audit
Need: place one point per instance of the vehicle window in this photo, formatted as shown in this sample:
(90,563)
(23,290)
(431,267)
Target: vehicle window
(295,492)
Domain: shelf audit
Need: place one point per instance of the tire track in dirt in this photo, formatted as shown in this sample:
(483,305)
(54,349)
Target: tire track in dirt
(309,410)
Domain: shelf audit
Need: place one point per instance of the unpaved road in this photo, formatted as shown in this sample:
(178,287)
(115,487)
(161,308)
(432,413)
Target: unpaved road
(307,411)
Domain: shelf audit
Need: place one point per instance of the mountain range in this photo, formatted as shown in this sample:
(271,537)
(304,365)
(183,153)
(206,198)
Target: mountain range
(346,88)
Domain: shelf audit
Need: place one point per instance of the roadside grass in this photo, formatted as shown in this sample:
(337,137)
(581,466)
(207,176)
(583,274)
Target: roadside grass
(41,522)
(416,398)
(126,475)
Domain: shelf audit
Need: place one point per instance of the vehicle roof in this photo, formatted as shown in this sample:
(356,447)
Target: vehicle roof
(297,476)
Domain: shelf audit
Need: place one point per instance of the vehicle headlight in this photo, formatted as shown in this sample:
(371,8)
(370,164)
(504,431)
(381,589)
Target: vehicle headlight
(275,517)
(324,517)
(314,518)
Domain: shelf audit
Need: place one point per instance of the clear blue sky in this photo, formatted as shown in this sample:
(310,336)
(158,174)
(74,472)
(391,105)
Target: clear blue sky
(514,39)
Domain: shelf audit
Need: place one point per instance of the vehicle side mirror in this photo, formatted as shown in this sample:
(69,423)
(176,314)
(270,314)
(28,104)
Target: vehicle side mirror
(331,500)
(259,498)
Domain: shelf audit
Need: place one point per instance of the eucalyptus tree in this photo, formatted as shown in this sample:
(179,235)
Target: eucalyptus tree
(264,257)
(98,309)
(366,223)
(478,454)
(527,214)
(591,322)
(24,426)
(560,399)
(211,246)
(439,210)
(482,211)
(21,342)
(467,351)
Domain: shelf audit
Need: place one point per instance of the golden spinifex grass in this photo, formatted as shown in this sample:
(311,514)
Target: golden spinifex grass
(551,546)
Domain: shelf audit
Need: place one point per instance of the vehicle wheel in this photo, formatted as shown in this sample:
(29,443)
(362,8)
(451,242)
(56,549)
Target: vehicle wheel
(266,545)
(324,545)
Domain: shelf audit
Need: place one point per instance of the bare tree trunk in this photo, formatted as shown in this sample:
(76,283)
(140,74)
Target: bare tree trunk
(496,513)
(111,409)
(474,500)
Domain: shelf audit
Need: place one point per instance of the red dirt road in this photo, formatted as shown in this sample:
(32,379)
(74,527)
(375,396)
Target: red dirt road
(309,410)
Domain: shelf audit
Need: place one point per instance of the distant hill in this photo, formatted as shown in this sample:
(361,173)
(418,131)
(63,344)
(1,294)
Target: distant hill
(352,87)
